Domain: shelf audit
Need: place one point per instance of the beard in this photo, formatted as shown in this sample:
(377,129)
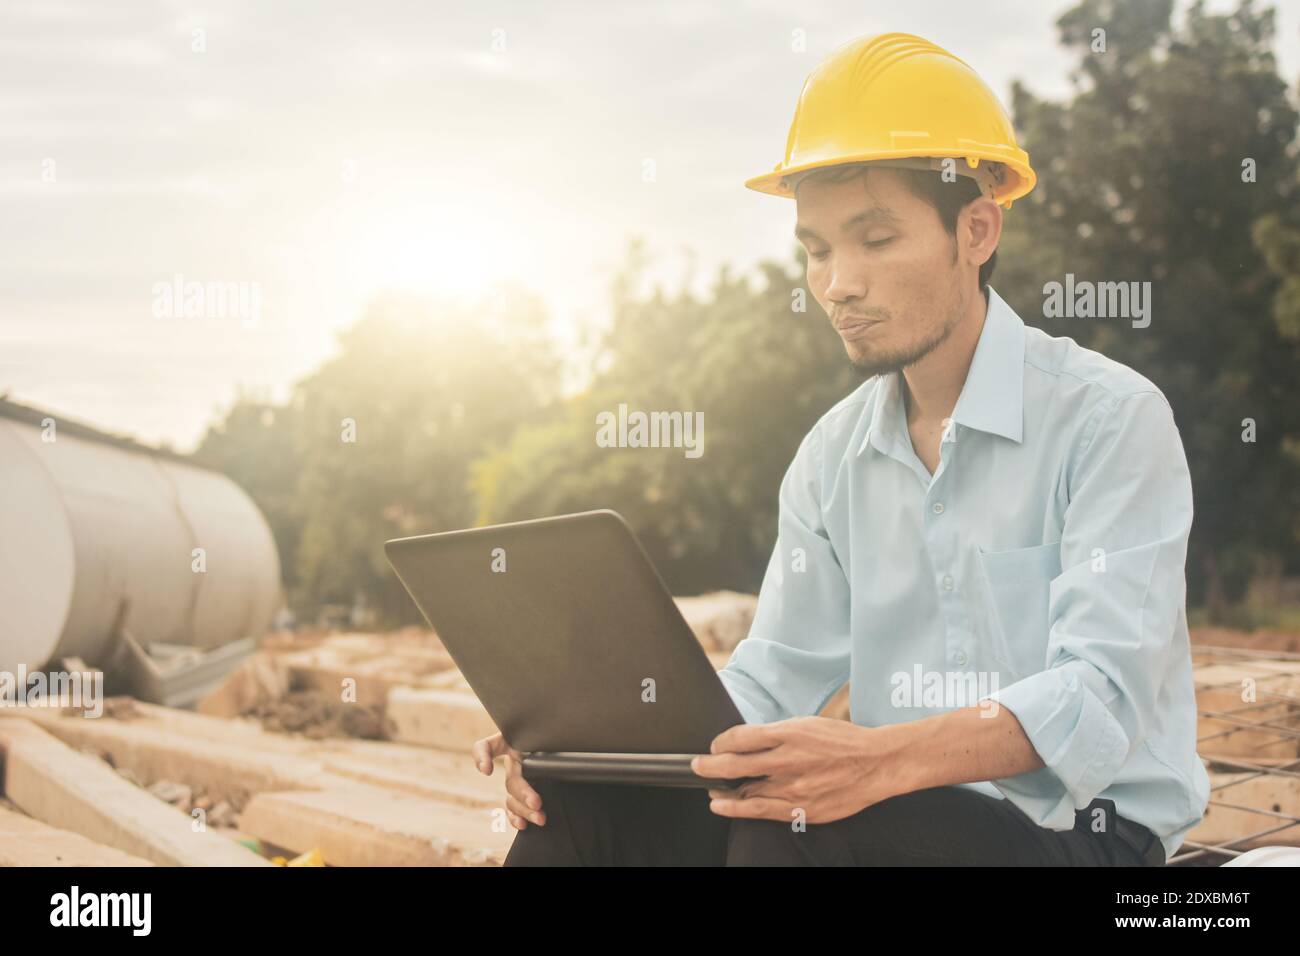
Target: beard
(884,361)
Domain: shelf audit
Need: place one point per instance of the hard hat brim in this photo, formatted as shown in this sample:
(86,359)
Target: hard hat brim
(1020,182)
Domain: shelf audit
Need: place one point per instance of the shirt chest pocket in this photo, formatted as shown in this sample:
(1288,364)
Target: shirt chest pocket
(1015,593)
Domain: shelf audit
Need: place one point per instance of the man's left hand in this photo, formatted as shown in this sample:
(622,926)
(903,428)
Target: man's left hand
(829,769)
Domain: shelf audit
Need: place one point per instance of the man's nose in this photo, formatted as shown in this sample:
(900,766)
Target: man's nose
(847,283)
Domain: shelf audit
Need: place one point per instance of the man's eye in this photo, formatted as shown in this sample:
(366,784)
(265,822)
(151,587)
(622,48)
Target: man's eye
(819,256)
(878,243)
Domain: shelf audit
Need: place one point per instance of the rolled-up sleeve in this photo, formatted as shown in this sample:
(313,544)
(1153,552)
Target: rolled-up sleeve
(1113,610)
(796,654)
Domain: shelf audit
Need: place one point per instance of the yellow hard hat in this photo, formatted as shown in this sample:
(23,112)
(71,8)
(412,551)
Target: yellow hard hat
(897,99)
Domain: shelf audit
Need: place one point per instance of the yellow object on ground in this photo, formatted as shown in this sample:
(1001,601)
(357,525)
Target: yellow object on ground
(307,859)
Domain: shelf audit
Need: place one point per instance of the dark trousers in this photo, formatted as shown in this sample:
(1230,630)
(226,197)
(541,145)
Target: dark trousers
(615,825)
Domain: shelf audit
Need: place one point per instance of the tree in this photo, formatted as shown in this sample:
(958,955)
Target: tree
(1145,175)
(377,443)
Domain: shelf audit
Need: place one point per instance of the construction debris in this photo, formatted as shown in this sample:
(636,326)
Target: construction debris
(1248,735)
(261,679)
(314,685)
(370,826)
(451,720)
(719,619)
(54,783)
(28,842)
(304,788)
(317,714)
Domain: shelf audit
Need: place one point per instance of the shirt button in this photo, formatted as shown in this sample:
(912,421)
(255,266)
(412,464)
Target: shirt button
(947,582)
(959,657)
(938,507)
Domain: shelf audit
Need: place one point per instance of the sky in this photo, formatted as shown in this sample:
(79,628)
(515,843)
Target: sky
(308,155)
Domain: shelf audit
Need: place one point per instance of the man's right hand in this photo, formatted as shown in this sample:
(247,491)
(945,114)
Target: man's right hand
(523,804)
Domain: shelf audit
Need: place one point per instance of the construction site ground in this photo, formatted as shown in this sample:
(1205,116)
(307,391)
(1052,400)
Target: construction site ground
(353,750)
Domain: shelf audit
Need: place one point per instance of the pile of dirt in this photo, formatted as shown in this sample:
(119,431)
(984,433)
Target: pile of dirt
(216,813)
(316,714)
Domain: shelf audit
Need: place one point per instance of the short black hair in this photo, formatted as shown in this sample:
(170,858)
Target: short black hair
(948,197)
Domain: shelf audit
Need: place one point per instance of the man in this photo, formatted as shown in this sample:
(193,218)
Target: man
(985,540)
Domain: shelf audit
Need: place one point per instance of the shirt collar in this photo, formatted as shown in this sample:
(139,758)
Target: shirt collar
(887,418)
(992,398)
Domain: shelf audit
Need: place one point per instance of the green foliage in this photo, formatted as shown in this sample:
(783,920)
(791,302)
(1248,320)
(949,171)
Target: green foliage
(1279,243)
(1141,179)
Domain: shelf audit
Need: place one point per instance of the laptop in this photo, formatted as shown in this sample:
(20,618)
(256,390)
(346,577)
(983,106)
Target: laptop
(567,634)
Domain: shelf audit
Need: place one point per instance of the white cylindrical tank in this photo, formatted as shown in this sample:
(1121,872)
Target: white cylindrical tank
(91,523)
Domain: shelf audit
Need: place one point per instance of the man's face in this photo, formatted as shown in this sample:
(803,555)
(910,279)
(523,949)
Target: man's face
(882,266)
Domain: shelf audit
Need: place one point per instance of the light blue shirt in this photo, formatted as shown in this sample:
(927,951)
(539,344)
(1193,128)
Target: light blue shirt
(1041,566)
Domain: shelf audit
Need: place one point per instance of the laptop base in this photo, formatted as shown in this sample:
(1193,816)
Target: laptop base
(647,770)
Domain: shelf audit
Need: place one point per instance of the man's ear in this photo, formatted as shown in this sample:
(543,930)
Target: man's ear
(979,228)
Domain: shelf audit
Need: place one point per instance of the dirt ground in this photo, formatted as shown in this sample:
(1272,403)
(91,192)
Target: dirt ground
(1261,640)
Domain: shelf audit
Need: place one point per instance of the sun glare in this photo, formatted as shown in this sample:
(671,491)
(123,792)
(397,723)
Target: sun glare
(433,255)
